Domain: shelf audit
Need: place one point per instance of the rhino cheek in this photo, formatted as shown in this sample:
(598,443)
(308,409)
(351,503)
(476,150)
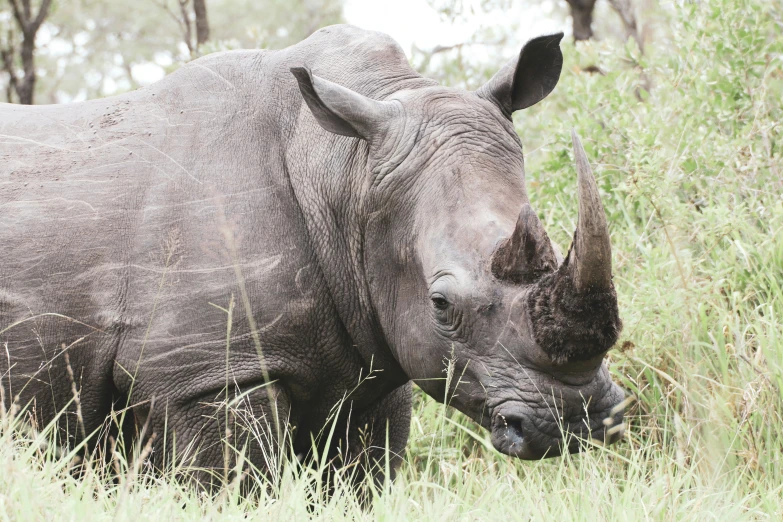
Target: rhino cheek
(417,351)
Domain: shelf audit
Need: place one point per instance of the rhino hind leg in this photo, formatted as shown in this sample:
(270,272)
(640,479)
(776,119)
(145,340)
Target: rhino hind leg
(56,373)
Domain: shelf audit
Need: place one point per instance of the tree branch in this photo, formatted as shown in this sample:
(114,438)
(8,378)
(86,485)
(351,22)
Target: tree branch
(43,12)
(20,19)
(172,14)
(27,10)
(7,56)
(183,7)
(182,21)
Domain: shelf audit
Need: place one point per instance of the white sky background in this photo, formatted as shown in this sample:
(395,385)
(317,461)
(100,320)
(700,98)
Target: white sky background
(415,22)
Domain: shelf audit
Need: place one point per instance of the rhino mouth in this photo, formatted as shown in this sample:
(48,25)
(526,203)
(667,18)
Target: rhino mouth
(527,436)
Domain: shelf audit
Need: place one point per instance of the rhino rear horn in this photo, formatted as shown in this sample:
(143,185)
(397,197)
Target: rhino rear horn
(340,110)
(527,254)
(528,79)
(590,258)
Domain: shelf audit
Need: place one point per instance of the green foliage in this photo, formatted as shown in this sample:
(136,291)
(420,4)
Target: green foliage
(686,143)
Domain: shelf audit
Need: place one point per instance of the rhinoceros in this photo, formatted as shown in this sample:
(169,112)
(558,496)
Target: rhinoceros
(265,243)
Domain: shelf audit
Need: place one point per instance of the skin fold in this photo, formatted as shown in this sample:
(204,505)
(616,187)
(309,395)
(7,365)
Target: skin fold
(267,241)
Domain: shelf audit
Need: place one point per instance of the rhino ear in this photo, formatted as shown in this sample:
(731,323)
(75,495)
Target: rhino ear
(341,110)
(528,79)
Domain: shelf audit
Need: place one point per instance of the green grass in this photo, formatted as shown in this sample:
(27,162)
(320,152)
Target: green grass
(687,146)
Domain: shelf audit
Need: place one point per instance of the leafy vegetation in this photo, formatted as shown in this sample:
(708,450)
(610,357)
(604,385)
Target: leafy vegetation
(687,145)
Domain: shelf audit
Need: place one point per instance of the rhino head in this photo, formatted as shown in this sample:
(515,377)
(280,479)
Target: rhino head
(459,267)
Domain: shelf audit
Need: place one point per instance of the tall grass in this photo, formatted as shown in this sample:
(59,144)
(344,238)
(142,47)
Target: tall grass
(686,143)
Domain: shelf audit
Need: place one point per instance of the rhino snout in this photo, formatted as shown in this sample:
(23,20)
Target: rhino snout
(525,434)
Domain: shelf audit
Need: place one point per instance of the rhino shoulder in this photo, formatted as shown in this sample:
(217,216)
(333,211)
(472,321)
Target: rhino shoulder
(353,36)
(369,62)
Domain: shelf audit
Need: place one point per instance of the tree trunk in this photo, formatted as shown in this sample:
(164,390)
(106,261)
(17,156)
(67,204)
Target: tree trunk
(582,16)
(26,88)
(29,25)
(202,22)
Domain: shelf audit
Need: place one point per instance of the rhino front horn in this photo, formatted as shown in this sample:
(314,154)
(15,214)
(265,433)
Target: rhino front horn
(590,259)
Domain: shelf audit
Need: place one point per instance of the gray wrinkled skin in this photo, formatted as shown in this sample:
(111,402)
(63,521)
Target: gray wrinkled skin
(352,221)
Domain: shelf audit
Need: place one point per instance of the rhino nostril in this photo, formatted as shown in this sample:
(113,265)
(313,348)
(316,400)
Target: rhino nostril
(514,431)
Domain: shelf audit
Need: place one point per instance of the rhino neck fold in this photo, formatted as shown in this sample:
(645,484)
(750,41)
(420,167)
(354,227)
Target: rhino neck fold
(331,188)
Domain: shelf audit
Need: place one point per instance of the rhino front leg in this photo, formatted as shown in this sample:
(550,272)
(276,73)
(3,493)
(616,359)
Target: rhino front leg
(377,437)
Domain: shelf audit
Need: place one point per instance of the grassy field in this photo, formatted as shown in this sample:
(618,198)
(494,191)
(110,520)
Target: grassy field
(687,145)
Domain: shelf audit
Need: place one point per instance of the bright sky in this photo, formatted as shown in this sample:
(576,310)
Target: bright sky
(414,21)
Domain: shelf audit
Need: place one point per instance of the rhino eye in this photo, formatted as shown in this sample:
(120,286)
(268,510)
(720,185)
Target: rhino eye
(439,302)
